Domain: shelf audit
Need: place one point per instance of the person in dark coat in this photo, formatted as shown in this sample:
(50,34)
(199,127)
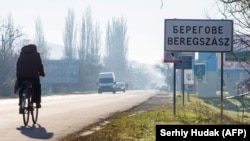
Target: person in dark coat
(29,66)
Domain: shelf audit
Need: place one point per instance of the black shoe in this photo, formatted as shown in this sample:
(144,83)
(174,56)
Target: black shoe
(38,105)
(20,111)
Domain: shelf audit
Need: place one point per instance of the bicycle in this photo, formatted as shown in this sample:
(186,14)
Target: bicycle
(27,105)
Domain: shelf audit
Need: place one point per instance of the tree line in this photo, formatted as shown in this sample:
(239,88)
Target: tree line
(82,41)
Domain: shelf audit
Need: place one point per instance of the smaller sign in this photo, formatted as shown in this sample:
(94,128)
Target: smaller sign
(200,71)
(188,77)
(186,63)
(172,57)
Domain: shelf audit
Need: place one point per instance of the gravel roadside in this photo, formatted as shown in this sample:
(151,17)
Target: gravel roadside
(157,101)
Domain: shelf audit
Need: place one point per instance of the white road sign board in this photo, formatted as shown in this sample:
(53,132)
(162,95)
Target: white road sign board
(198,35)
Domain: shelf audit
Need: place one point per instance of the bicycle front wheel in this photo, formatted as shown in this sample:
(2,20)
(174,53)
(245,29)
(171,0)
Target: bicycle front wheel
(26,110)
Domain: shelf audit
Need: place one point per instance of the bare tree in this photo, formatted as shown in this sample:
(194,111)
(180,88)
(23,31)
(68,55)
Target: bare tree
(167,71)
(40,40)
(86,36)
(89,51)
(116,47)
(9,34)
(69,36)
(239,12)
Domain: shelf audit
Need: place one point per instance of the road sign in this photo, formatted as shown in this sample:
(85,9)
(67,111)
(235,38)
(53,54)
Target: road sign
(186,63)
(172,57)
(198,35)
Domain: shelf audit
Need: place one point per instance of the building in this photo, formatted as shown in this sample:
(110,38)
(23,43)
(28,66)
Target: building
(61,75)
(236,70)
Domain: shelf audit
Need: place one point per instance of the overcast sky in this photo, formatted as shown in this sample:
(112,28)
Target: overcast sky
(145,19)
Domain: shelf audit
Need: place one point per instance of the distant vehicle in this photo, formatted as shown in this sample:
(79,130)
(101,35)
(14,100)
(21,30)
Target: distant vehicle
(106,82)
(120,86)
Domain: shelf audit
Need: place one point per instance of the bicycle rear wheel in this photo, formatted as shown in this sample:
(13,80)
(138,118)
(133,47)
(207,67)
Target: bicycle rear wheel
(34,109)
(25,107)
(34,113)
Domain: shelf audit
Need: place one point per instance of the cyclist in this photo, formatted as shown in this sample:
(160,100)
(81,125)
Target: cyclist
(29,66)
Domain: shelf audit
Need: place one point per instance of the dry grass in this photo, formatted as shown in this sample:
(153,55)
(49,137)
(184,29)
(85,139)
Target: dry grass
(134,125)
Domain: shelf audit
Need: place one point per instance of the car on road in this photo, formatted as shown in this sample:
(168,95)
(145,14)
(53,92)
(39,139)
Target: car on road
(106,82)
(120,86)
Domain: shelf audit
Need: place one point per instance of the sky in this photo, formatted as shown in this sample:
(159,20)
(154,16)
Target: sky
(144,18)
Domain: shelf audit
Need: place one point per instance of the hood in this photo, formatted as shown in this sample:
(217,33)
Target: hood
(28,49)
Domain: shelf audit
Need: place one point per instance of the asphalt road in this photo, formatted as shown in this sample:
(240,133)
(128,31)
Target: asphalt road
(61,115)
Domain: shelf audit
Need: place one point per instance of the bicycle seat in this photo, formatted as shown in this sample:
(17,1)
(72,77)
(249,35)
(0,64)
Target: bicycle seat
(27,83)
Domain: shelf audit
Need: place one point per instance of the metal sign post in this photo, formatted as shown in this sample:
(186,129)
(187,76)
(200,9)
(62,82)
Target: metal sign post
(182,86)
(174,90)
(186,63)
(221,89)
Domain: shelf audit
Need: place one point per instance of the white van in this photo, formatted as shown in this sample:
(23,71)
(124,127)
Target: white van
(106,82)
